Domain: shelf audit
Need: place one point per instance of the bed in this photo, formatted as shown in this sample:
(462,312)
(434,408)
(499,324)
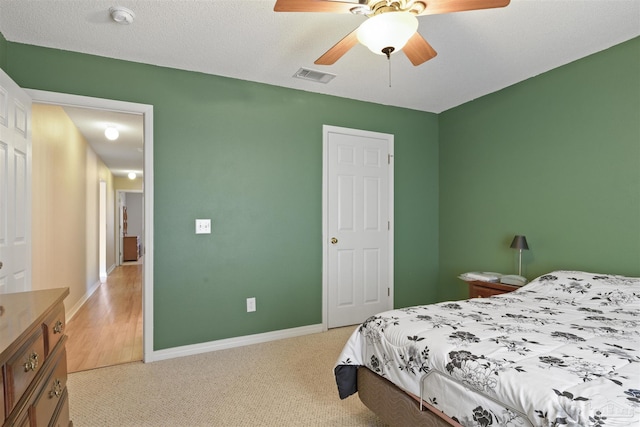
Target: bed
(560,351)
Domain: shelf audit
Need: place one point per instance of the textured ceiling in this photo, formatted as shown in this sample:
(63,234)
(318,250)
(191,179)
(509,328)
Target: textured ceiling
(479,52)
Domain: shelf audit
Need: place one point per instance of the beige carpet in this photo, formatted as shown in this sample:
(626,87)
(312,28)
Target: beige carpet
(281,383)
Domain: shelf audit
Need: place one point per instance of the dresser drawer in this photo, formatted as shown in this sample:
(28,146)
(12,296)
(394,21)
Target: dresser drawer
(2,415)
(52,391)
(24,422)
(23,367)
(480,292)
(62,415)
(480,289)
(54,329)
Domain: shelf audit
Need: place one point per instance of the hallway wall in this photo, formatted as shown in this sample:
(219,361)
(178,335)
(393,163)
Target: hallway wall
(65,191)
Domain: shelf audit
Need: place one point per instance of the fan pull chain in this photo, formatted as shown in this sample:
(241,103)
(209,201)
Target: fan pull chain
(387,51)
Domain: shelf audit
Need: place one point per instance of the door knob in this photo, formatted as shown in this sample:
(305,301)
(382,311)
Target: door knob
(334,240)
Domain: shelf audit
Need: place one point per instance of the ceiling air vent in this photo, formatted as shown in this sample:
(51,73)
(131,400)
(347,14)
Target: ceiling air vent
(314,76)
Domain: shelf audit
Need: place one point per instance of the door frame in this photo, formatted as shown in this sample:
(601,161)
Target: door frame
(326,129)
(64,99)
(118,245)
(102,233)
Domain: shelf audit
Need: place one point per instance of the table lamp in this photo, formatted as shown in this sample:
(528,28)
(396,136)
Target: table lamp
(519,243)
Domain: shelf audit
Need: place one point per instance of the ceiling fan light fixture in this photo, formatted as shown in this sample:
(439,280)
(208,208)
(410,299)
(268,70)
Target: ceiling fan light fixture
(387,30)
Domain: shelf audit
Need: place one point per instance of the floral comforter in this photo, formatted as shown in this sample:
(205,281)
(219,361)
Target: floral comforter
(560,351)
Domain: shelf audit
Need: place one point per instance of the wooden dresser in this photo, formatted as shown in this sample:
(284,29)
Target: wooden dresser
(33,359)
(130,248)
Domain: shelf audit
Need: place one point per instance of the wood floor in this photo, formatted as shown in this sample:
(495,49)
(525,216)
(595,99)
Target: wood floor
(107,330)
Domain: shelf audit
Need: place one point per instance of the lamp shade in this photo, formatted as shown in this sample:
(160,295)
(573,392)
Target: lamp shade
(391,29)
(519,242)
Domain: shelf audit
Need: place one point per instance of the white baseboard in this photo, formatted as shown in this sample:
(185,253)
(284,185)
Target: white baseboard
(189,350)
(110,270)
(72,312)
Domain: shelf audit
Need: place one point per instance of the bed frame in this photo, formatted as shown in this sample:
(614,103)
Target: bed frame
(394,406)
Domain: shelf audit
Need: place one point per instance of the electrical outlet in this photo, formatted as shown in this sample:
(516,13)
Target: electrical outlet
(251,305)
(203,226)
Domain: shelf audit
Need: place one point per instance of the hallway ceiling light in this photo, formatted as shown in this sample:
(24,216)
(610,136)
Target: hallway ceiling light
(132,175)
(111,133)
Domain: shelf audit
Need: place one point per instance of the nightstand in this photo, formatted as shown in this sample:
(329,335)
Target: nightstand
(479,289)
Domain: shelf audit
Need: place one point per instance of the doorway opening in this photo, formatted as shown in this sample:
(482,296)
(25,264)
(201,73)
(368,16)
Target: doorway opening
(129,217)
(145,269)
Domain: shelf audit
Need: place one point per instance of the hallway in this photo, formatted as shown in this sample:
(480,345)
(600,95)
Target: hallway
(107,330)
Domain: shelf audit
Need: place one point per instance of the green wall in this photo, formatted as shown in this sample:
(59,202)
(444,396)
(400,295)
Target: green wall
(3,52)
(556,158)
(248,156)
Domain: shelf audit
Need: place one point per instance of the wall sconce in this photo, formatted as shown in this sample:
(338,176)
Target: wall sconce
(519,243)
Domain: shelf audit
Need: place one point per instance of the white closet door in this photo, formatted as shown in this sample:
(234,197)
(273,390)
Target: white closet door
(15,187)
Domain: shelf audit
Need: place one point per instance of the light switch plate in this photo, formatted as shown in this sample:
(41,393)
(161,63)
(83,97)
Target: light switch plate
(203,226)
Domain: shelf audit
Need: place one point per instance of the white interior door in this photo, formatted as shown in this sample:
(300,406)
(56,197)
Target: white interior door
(122,203)
(357,229)
(15,187)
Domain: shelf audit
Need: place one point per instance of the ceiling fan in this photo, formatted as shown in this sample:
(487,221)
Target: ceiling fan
(392,24)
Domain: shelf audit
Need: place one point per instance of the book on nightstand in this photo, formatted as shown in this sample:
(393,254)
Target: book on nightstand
(483,276)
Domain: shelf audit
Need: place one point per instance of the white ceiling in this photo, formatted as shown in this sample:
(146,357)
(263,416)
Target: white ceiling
(121,156)
(479,52)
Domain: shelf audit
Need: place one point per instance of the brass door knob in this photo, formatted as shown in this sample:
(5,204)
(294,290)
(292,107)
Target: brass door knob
(334,240)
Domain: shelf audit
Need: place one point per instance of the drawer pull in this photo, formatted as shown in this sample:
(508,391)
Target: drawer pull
(57,328)
(56,390)
(32,362)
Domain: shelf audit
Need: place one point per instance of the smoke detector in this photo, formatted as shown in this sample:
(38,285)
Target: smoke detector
(122,15)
